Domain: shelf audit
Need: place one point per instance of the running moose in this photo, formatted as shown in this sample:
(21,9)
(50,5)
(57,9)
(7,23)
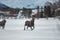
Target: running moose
(30,23)
(2,23)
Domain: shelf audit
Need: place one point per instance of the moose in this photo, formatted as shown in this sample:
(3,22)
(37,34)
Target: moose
(30,23)
(2,23)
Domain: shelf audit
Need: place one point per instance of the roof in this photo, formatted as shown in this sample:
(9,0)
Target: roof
(57,10)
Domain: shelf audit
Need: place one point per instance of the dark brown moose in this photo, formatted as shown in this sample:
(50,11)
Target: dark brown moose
(30,24)
(2,23)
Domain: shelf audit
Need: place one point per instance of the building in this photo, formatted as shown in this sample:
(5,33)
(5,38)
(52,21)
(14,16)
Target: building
(6,11)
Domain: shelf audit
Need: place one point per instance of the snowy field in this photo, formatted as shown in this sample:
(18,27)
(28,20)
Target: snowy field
(44,30)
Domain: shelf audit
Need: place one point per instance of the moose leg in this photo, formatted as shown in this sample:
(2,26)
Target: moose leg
(24,27)
(3,27)
(33,27)
(27,27)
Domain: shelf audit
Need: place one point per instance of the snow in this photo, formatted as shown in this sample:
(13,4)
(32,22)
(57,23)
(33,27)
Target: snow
(44,30)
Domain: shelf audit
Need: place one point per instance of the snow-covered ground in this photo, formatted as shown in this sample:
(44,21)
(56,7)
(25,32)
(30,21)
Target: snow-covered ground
(44,30)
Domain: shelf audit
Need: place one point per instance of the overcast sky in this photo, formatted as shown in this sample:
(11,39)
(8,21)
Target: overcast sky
(24,3)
